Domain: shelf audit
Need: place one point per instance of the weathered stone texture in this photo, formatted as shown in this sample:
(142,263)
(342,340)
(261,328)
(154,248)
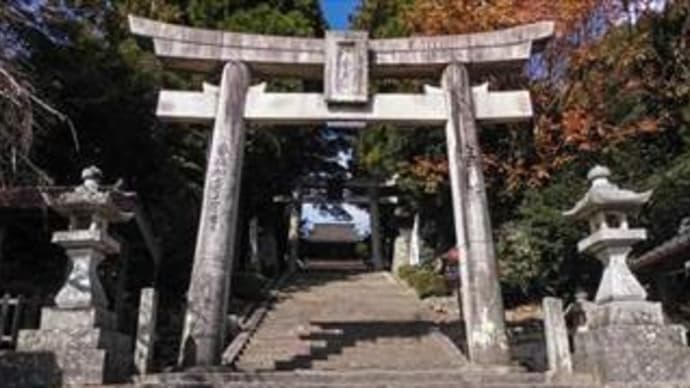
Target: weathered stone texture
(627,339)
(307,108)
(346,74)
(204,332)
(83,287)
(401,250)
(626,313)
(556,333)
(254,259)
(202,50)
(345,61)
(482,300)
(416,241)
(633,353)
(295,217)
(84,354)
(146,330)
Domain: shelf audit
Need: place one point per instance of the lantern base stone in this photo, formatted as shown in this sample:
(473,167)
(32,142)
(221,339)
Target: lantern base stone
(626,313)
(85,353)
(625,344)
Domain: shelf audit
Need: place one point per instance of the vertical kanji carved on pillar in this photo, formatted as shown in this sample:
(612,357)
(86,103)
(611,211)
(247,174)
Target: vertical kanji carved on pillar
(204,332)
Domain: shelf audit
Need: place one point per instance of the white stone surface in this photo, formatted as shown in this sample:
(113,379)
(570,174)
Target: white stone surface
(415,242)
(83,288)
(481,293)
(401,250)
(346,74)
(604,195)
(293,232)
(146,330)
(204,332)
(202,50)
(617,282)
(556,333)
(607,207)
(254,259)
(303,108)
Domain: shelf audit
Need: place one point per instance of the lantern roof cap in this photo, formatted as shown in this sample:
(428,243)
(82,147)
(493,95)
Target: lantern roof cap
(603,195)
(90,198)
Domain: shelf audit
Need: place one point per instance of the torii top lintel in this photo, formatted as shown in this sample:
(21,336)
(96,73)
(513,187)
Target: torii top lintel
(203,50)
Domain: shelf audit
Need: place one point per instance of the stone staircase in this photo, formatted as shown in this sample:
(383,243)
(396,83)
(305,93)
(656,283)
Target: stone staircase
(345,320)
(342,326)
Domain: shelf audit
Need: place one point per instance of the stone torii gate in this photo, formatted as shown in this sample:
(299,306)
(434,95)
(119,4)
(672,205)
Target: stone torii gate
(345,61)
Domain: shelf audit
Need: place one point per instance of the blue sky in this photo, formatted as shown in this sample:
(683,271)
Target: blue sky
(337,11)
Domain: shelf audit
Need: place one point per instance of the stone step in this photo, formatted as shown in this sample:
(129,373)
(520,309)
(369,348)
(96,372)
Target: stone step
(332,321)
(263,384)
(371,378)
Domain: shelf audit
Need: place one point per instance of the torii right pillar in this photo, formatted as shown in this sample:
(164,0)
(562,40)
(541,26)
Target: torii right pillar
(482,303)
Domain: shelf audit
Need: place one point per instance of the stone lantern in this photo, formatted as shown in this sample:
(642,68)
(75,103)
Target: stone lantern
(627,339)
(607,207)
(79,330)
(90,209)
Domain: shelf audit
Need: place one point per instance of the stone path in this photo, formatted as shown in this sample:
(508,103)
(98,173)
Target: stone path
(338,325)
(333,317)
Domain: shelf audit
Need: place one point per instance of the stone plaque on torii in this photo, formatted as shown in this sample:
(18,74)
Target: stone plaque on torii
(346,61)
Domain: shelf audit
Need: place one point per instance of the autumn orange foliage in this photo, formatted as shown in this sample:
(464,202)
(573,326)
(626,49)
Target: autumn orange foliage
(463,16)
(432,171)
(572,95)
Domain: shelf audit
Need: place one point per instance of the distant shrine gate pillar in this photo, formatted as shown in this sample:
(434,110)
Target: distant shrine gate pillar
(375,224)
(207,298)
(482,303)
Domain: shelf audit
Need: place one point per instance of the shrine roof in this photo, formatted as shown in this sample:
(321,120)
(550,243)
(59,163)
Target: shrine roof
(30,199)
(670,254)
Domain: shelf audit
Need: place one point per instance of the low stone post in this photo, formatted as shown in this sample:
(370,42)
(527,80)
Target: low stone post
(254,259)
(482,302)
(146,330)
(415,242)
(79,330)
(204,332)
(295,209)
(401,248)
(556,333)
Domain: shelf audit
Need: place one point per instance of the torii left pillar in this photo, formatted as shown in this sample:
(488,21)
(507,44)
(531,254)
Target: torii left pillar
(207,298)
